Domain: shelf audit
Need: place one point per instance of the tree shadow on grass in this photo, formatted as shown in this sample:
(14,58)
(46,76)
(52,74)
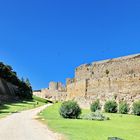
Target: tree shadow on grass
(3,109)
(5,105)
(15,101)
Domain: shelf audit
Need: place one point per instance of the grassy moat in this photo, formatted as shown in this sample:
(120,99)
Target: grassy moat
(126,127)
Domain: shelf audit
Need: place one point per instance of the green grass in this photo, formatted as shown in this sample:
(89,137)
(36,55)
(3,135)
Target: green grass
(123,126)
(9,108)
(39,99)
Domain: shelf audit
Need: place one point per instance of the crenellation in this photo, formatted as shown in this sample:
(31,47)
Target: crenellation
(70,81)
(117,79)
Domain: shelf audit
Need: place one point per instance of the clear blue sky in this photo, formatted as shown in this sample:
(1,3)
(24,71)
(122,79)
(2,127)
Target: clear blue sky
(45,40)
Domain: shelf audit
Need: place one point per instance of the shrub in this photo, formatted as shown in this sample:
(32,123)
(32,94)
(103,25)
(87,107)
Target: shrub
(114,138)
(107,72)
(136,108)
(123,108)
(70,109)
(95,116)
(110,107)
(95,106)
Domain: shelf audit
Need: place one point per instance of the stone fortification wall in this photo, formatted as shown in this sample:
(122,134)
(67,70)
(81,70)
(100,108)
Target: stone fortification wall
(118,67)
(83,72)
(53,86)
(117,79)
(55,92)
(78,88)
(125,66)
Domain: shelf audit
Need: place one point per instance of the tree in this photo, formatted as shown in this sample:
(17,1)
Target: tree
(24,86)
(28,82)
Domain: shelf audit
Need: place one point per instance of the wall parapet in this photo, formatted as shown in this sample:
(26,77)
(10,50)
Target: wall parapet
(117,79)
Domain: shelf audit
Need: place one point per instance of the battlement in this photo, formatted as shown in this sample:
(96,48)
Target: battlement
(117,59)
(115,79)
(70,81)
(116,67)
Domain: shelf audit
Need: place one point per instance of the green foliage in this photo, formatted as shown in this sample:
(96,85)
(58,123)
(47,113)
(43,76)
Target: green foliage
(28,82)
(114,138)
(95,116)
(110,107)
(123,108)
(107,72)
(136,108)
(7,73)
(24,87)
(25,91)
(95,106)
(70,109)
(40,99)
(121,126)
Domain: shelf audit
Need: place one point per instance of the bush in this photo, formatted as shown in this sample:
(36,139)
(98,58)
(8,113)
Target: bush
(123,108)
(114,138)
(136,108)
(110,107)
(70,109)
(95,106)
(95,116)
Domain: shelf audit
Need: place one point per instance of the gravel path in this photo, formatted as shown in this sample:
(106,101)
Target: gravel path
(24,126)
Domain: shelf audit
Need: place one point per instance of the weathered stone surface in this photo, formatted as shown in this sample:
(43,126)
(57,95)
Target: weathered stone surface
(55,92)
(117,79)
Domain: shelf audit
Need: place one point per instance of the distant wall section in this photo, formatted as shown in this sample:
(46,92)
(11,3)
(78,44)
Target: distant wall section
(55,92)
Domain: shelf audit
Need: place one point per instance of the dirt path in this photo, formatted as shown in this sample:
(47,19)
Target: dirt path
(23,126)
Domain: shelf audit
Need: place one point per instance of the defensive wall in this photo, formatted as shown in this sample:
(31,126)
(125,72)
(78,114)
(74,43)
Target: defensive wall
(115,79)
